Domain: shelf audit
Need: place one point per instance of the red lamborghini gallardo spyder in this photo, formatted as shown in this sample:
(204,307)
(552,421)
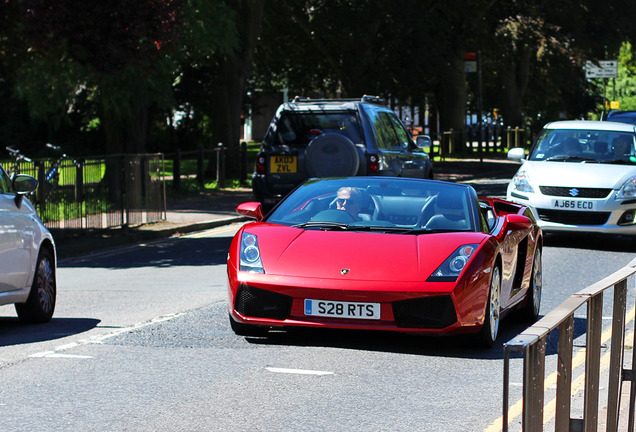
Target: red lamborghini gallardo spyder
(383,253)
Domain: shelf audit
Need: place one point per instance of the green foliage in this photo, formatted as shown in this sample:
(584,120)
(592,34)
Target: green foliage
(624,87)
(114,72)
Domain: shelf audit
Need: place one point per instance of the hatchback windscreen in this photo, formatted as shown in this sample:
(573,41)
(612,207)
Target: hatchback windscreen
(297,129)
(565,145)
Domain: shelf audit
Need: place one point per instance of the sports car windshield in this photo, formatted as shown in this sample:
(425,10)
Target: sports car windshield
(590,146)
(379,204)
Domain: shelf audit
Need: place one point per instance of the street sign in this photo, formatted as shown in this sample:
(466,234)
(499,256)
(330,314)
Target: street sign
(602,69)
(470,62)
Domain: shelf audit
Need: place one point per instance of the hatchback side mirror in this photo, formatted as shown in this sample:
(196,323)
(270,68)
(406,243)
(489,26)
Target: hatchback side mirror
(516,154)
(24,184)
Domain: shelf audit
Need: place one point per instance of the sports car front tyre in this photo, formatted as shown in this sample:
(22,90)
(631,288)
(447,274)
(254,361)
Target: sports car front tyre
(530,312)
(41,301)
(489,331)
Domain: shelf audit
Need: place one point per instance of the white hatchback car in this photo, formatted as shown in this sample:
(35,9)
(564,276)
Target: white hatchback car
(579,176)
(27,252)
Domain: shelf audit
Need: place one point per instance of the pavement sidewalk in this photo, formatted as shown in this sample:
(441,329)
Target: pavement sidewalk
(215,208)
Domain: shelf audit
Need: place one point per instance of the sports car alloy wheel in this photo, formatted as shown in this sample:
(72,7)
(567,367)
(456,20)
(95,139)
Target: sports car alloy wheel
(490,329)
(41,301)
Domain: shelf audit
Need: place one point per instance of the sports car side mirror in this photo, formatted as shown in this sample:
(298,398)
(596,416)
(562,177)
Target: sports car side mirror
(251,209)
(518,222)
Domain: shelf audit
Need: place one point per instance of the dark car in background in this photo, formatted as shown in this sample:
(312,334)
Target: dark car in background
(621,116)
(310,138)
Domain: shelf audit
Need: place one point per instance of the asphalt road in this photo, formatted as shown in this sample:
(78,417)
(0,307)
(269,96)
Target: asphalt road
(141,342)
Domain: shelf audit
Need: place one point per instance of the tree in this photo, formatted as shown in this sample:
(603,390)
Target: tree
(623,88)
(216,59)
(399,49)
(112,52)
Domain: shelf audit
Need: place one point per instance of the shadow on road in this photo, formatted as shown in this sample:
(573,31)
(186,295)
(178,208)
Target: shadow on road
(591,241)
(13,332)
(460,346)
(185,252)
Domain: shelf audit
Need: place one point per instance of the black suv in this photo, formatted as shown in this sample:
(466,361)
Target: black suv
(335,138)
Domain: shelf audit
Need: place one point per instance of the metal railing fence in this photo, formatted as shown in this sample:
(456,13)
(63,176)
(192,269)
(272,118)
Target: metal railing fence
(116,191)
(475,143)
(191,164)
(532,344)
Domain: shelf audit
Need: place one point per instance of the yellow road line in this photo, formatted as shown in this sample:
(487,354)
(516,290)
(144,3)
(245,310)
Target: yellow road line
(216,230)
(579,358)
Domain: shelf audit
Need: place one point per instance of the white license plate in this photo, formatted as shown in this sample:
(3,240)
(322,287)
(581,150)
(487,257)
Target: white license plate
(570,204)
(337,309)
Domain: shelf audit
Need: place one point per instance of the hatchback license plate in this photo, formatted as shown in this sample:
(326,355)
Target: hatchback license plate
(283,164)
(568,204)
(337,309)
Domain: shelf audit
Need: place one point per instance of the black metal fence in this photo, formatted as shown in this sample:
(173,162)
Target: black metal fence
(117,191)
(479,143)
(192,164)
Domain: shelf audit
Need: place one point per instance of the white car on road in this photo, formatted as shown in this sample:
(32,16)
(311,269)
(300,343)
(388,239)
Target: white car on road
(579,176)
(27,252)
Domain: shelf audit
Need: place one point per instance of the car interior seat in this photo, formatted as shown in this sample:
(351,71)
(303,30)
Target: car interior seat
(601,149)
(450,213)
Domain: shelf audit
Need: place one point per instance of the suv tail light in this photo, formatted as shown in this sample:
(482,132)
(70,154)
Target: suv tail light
(261,163)
(373,163)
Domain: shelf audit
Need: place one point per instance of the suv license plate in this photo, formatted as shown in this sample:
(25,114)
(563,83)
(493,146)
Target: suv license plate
(337,309)
(284,164)
(568,204)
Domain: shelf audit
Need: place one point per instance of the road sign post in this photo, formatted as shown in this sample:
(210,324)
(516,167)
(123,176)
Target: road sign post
(602,69)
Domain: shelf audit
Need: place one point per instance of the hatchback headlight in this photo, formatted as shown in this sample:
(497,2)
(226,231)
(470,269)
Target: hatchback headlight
(450,269)
(250,254)
(628,190)
(521,182)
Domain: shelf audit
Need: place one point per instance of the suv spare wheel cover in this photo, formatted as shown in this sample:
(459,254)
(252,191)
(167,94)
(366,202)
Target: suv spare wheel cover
(331,155)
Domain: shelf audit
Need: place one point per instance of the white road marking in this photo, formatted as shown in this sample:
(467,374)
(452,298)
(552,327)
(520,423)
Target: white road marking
(68,356)
(298,371)
(55,353)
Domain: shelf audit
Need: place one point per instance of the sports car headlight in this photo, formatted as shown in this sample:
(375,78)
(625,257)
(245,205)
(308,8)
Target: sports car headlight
(628,190)
(250,254)
(521,182)
(450,269)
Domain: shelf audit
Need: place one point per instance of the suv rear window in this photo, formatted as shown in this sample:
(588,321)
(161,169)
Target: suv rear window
(297,129)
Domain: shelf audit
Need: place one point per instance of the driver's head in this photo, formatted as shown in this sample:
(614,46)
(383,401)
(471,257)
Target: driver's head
(348,199)
(571,146)
(621,145)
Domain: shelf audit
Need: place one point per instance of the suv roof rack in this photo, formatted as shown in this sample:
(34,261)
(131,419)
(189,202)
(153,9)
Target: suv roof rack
(366,98)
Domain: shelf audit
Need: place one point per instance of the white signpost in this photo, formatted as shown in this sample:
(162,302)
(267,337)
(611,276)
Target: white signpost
(602,69)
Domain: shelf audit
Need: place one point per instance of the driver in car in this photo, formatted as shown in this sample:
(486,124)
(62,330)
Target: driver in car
(349,200)
(621,147)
